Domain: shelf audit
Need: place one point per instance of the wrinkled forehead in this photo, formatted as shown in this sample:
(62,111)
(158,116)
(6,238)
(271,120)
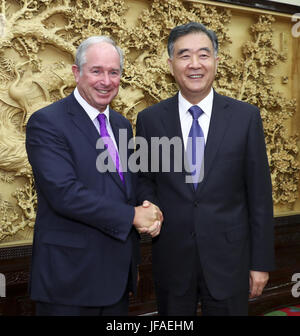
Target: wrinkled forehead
(102,54)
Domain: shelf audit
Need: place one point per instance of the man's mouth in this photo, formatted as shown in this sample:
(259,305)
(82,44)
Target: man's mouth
(102,91)
(196,76)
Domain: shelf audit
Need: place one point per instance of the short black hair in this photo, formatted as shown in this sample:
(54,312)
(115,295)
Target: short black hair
(188,28)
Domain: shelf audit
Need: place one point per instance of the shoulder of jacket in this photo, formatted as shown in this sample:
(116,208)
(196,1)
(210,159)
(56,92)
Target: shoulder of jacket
(235,102)
(158,107)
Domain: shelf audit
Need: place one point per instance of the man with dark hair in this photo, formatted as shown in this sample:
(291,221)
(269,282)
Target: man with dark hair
(216,244)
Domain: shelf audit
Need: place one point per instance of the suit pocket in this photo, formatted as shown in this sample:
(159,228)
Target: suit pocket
(237,233)
(63,238)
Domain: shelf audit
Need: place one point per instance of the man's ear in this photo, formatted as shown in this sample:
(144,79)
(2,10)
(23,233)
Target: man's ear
(217,64)
(76,72)
(171,66)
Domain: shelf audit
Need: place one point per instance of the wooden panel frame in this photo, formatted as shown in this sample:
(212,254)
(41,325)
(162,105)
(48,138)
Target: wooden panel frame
(258,4)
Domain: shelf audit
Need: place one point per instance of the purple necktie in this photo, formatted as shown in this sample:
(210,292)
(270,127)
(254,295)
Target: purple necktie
(109,144)
(195,149)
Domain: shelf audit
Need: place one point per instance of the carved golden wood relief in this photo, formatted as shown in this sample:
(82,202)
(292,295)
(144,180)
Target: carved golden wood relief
(38,39)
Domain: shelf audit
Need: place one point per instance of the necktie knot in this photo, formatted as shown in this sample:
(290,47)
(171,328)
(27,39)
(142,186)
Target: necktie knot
(103,130)
(101,117)
(195,111)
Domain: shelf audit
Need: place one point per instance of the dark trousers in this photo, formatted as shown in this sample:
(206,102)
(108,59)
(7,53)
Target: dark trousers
(49,309)
(187,304)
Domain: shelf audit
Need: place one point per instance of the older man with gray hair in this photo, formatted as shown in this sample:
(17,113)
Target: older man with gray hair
(86,241)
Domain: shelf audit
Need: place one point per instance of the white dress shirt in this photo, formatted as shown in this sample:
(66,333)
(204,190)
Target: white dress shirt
(186,118)
(92,112)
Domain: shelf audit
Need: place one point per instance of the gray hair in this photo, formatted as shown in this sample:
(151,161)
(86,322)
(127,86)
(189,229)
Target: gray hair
(192,27)
(80,58)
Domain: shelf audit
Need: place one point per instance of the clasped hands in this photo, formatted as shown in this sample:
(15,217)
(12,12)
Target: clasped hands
(148,219)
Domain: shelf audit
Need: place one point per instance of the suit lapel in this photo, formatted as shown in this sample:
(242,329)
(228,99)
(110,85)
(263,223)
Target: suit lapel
(219,122)
(171,122)
(82,121)
(170,118)
(116,125)
(86,126)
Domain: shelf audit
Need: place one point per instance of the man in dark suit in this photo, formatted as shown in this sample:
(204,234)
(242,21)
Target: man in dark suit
(216,244)
(86,244)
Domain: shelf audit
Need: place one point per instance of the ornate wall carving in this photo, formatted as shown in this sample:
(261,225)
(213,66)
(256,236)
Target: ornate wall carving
(38,39)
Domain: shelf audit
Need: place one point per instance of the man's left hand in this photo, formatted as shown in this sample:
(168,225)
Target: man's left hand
(258,281)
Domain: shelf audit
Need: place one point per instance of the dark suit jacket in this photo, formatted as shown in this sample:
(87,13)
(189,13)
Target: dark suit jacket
(230,215)
(84,242)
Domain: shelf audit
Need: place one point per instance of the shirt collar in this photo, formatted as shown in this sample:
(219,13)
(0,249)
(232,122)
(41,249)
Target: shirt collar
(205,104)
(91,111)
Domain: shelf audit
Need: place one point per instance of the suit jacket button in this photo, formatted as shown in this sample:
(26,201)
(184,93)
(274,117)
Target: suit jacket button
(193,234)
(196,204)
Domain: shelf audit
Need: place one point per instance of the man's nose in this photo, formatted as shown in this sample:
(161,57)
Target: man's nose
(195,62)
(105,78)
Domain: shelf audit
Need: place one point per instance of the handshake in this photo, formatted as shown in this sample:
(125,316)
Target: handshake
(148,219)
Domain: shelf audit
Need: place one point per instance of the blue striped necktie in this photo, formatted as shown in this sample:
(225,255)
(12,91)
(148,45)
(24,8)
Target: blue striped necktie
(195,146)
